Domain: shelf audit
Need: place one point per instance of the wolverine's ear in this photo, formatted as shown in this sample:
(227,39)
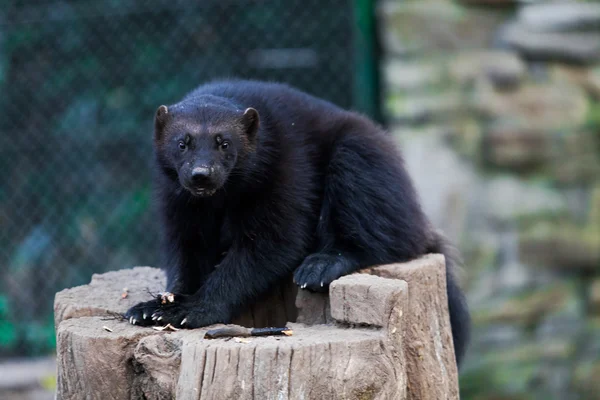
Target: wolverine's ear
(251,121)
(160,120)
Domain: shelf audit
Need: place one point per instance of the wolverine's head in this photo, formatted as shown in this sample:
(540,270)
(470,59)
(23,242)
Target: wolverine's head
(200,140)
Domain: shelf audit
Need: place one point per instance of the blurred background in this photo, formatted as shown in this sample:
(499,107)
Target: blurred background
(496,104)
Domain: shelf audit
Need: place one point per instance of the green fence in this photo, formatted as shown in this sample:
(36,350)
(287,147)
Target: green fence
(79,84)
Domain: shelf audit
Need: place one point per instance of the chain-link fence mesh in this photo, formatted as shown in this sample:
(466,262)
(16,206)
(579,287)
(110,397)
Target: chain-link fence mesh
(80,81)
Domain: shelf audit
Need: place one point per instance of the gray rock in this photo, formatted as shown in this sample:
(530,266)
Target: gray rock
(566,325)
(574,47)
(561,246)
(561,16)
(411,75)
(421,108)
(508,198)
(412,26)
(516,149)
(595,296)
(498,336)
(584,77)
(502,68)
(548,107)
(446,201)
(494,3)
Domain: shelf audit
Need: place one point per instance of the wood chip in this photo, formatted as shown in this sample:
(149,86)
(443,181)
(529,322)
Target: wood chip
(167,327)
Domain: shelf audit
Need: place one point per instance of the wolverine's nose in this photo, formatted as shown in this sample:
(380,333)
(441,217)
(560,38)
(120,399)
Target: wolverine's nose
(201,174)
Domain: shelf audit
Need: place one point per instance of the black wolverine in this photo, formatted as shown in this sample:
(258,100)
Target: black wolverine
(257,181)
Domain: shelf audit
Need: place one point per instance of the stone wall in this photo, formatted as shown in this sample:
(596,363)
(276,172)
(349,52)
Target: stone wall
(497,106)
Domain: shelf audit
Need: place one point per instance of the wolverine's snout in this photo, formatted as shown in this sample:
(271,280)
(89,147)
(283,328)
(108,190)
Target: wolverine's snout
(201,174)
(203,180)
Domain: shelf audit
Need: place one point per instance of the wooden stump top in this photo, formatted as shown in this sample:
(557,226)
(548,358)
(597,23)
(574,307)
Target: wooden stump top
(380,334)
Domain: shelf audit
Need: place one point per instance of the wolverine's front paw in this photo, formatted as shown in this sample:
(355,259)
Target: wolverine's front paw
(142,313)
(320,269)
(188,312)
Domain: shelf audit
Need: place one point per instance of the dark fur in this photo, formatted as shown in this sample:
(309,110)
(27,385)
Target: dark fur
(303,187)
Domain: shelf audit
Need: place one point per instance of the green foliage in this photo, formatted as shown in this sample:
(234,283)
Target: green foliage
(593,117)
(8,334)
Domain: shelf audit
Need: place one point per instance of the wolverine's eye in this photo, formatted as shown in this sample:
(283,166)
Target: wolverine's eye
(225,144)
(182,145)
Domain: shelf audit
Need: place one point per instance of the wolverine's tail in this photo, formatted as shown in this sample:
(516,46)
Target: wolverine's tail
(460,320)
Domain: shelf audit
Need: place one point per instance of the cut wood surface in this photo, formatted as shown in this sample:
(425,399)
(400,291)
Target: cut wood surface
(380,334)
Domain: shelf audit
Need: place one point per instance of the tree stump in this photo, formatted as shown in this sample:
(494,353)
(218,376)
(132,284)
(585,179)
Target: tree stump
(383,333)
